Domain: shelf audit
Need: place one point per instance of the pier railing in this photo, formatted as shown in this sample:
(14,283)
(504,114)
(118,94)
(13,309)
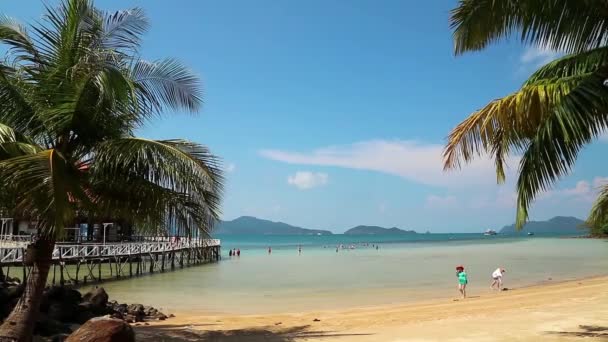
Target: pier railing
(13,251)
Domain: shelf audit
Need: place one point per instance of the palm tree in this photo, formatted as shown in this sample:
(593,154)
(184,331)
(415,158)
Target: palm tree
(562,107)
(72,93)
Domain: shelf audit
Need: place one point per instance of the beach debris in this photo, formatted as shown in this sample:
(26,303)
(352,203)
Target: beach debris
(278,323)
(316,320)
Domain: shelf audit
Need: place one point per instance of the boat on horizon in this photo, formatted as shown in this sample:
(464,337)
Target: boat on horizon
(489,232)
(530,233)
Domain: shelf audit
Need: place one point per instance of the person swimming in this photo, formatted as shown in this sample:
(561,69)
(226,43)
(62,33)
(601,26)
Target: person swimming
(463,280)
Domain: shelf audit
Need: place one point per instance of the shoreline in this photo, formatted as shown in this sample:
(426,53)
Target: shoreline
(555,311)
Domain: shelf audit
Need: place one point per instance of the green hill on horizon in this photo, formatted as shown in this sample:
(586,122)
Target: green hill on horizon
(256,226)
(557,224)
(373,230)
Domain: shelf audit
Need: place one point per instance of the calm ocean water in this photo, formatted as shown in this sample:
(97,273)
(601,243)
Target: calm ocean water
(405,268)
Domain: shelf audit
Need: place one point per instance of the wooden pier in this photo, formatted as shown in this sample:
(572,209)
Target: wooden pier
(83,263)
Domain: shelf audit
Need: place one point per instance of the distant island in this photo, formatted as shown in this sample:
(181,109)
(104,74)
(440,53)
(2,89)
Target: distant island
(373,230)
(556,225)
(256,226)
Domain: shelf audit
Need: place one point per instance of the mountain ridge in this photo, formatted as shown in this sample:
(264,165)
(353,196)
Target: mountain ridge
(557,224)
(372,230)
(256,226)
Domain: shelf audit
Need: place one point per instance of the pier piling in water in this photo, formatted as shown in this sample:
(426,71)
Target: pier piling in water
(160,253)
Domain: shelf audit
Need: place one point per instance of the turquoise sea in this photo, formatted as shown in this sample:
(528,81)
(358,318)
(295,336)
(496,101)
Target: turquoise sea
(404,268)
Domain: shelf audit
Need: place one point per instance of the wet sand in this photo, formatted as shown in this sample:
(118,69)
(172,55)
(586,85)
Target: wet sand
(567,311)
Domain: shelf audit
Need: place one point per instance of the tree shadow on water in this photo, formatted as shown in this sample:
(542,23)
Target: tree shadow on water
(173,334)
(586,331)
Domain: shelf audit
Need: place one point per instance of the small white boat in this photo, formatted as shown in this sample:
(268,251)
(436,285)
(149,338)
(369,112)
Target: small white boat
(530,233)
(490,232)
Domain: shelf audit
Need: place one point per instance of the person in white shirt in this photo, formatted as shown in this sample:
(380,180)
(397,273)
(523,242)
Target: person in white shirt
(497,278)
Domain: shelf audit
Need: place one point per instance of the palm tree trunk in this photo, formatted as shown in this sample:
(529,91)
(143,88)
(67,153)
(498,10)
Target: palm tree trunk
(20,323)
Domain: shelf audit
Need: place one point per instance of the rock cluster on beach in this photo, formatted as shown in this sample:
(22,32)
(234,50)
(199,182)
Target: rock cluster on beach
(64,309)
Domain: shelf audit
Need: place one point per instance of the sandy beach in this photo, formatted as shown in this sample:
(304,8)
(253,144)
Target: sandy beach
(566,311)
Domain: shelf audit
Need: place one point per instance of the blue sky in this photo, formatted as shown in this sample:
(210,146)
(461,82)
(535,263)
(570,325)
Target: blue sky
(330,114)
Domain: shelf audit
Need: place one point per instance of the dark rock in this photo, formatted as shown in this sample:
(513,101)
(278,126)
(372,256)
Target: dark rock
(84,316)
(59,337)
(13,281)
(63,311)
(103,329)
(97,297)
(117,315)
(15,291)
(160,317)
(122,308)
(85,306)
(72,296)
(46,326)
(135,309)
(4,295)
(54,292)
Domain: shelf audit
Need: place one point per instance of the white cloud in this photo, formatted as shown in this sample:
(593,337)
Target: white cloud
(305,180)
(584,190)
(537,56)
(435,201)
(230,168)
(599,182)
(417,162)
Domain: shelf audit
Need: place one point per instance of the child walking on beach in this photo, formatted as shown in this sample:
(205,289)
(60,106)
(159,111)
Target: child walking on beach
(497,279)
(462,281)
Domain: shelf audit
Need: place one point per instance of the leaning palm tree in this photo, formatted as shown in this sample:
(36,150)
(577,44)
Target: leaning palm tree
(72,93)
(561,108)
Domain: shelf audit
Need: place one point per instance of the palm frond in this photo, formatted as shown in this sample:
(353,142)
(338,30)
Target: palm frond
(15,35)
(182,179)
(506,124)
(571,65)
(567,25)
(166,83)
(41,183)
(123,29)
(578,118)
(598,218)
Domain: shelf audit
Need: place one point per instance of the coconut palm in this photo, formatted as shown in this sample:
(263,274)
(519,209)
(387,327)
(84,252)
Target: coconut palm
(561,108)
(72,93)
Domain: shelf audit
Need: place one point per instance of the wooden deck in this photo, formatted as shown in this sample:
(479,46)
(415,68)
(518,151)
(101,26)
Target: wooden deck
(102,261)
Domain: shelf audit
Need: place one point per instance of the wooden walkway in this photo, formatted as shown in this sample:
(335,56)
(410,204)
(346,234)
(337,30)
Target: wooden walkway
(114,260)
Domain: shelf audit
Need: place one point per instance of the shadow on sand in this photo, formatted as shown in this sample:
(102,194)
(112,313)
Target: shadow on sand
(586,331)
(167,333)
